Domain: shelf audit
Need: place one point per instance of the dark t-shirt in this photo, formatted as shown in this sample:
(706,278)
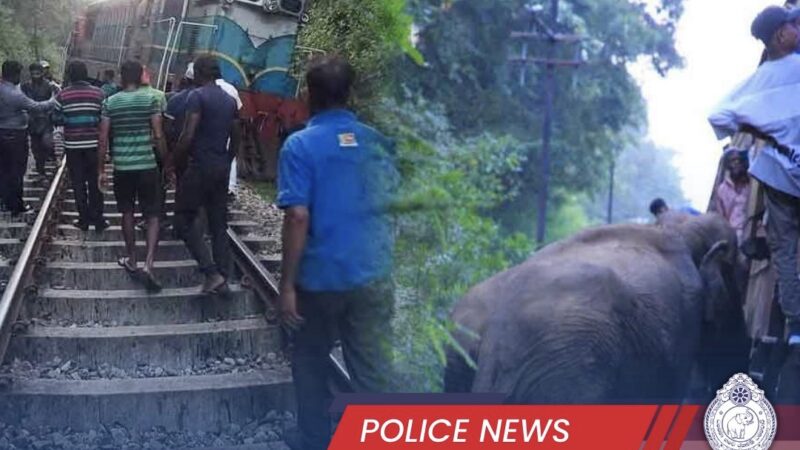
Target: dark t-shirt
(217,112)
(39,121)
(176,111)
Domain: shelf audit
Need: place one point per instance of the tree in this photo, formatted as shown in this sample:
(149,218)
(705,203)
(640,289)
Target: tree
(644,172)
(372,34)
(36,29)
(467,46)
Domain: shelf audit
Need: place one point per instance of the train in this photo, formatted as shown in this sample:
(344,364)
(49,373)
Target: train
(255,42)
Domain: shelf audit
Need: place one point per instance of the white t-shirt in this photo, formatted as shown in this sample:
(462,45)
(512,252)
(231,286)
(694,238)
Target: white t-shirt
(230,90)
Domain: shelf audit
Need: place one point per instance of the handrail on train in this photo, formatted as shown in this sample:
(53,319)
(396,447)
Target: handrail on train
(267,288)
(14,294)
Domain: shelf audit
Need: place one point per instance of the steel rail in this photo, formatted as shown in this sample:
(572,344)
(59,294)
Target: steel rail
(21,277)
(264,284)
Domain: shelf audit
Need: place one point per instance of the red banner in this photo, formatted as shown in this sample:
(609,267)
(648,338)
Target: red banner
(508,427)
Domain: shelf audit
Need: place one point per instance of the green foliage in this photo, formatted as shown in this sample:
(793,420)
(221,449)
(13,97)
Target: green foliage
(446,243)
(370,33)
(266,190)
(36,29)
(567,218)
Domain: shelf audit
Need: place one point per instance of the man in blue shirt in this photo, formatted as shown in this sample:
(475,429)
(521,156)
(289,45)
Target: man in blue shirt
(335,178)
(211,120)
(176,118)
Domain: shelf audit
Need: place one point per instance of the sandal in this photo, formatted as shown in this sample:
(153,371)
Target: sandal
(124,262)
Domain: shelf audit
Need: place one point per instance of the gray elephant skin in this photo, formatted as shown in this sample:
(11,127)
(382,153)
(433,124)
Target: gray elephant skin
(622,313)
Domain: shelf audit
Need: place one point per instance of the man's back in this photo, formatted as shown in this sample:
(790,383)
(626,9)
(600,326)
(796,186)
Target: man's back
(79,107)
(341,170)
(217,113)
(130,113)
(176,111)
(159,95)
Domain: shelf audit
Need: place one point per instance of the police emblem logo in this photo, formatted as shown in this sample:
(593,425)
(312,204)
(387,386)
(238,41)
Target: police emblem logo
(740,417)
(348,140)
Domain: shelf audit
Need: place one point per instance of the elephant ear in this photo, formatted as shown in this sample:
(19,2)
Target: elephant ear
(712,278)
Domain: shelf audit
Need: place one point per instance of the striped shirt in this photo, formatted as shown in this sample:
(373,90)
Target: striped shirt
(131,132)
(78,109)
(110,89)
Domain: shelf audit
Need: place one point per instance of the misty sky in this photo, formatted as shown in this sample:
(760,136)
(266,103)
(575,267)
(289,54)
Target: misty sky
(714,39)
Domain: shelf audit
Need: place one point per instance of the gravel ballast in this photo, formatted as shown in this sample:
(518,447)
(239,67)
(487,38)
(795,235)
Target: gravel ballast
(265,430)
(69,370)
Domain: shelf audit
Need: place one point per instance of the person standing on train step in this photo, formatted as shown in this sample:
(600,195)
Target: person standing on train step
(78,109)
(767,105)
(40,128)
(733,193)
(335,180)
(14,109)
(212,120)
(131,120)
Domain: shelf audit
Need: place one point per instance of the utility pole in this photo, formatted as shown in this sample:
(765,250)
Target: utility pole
(549,33)
(36,10)
(547,132)
(610,214)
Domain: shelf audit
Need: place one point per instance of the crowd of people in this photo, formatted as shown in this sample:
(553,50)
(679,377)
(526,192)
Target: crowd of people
(335,182)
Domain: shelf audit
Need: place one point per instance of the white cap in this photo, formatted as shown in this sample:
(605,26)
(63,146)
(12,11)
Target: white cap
(190,71)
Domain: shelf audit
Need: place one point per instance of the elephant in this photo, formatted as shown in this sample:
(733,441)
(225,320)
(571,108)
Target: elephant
(618,313)
(737,425)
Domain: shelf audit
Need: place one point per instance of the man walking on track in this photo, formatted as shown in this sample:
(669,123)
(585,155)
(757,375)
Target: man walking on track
(211,120)
(78,109)
(233,183)
(176,119)
(335,179)
(768,105)
(40,129)
(131,120)
(14,106)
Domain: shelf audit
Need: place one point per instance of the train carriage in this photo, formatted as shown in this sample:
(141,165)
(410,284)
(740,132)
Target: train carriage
(254,41)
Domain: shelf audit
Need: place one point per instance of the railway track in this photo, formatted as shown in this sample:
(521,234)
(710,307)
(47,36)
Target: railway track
(87,352)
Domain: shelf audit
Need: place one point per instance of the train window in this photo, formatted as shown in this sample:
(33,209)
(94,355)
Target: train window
(292,6)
